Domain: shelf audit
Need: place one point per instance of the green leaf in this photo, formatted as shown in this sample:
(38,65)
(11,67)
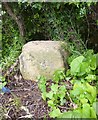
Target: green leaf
(68,114)
(86,111)
(54,88)
(58,75)
(50,95)
(44,96)
(97,22)
(95,106)
(2,84)
(62,89)
(84,100)
(97,60)
(93,113)
(55,113)
(84,68)
(91,92)
(90,77)
(75,65)
(78,89)
(93,62)
(51,103)
(42,83)
(42,87)
(77,113)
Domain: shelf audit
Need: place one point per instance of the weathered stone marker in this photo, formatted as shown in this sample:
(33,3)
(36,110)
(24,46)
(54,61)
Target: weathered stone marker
(41,58)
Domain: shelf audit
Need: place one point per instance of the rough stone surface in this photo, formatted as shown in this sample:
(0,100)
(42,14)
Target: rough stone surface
(41,58)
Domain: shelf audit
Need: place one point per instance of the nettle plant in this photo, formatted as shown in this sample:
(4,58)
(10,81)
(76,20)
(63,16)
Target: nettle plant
(77,87)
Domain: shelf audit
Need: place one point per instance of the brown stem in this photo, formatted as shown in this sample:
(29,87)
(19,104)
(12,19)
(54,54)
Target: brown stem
(14,17)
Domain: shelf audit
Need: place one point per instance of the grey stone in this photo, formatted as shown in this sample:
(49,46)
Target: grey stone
(41,58)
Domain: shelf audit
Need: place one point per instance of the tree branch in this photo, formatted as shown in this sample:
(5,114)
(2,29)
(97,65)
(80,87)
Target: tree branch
(16,18)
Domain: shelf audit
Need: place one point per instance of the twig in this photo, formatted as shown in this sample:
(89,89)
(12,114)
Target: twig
(69,98)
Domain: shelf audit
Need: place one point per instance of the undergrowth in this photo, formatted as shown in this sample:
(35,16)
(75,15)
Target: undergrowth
(73,94)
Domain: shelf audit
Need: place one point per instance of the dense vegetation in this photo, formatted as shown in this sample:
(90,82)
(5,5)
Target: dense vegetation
(74,23)
(70,22)
(78,86)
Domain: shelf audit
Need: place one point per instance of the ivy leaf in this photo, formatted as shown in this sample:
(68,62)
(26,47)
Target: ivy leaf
(51,103)
(58,75)
(50,95)
(54,88)
(75,65)
(61,94)
(42,83)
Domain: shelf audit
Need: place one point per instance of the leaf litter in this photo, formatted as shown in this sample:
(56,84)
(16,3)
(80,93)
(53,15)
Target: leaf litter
(25,99)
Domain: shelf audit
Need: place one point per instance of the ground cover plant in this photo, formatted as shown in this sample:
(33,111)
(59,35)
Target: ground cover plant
(73,94)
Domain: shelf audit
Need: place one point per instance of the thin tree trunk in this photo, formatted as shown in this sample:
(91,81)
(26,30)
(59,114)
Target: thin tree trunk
(17,19)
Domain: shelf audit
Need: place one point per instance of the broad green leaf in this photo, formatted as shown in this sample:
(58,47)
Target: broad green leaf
(93,62)
(84,100)
(93,113)
(77,113)
(89,97)
(75,65)
(55,113)
(91,91)
(86,111)
(84,68)
(95,106)
(75,92)
(68,114)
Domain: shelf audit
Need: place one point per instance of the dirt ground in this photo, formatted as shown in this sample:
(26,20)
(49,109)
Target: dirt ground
(24,101)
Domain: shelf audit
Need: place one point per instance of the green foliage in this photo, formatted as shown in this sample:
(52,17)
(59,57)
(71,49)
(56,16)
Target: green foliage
(84,65)
(58,75)
(53,21)
(83,93)
(42,86)
(2,82)
(10,52)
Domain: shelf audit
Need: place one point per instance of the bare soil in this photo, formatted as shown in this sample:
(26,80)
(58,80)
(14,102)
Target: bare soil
(24,101)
